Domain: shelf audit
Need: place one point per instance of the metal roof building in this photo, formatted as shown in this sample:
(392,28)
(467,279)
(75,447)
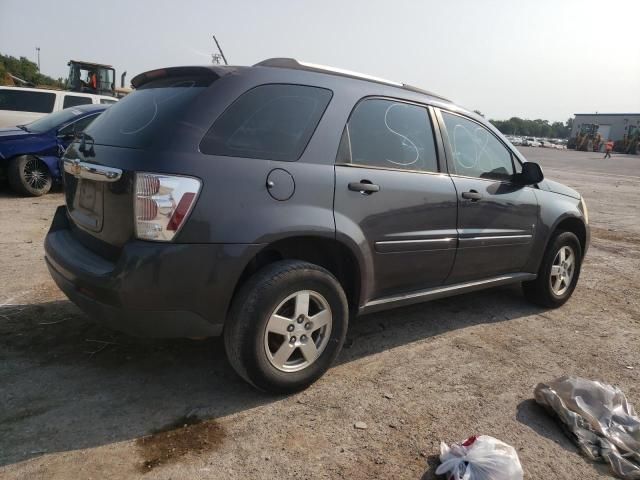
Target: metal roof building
(610,125)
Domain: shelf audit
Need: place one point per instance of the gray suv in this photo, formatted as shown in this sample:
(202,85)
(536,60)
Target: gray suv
(269,204)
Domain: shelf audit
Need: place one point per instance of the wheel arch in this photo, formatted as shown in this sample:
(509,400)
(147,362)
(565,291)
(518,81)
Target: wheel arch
(568,222)
(331,254)
(575,225)
(50,162)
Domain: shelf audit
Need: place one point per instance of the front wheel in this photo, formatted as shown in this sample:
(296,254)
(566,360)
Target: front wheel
(287,325)
(29,175)
(558,273)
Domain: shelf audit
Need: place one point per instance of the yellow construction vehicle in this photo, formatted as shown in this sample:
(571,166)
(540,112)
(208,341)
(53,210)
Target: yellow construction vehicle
(587,138)
(96,78)
(630,142)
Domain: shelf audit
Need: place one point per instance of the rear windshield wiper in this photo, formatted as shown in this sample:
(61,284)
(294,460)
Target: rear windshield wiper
(83,143)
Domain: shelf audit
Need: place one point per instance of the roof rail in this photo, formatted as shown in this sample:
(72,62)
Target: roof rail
(296,65)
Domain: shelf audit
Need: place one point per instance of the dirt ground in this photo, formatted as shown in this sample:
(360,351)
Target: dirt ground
(80,401)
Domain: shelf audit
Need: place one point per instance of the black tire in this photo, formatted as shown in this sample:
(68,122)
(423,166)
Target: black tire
(29,175)
(540,291)
(258,298)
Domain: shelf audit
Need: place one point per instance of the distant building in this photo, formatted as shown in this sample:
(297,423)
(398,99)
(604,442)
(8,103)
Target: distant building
(610,125)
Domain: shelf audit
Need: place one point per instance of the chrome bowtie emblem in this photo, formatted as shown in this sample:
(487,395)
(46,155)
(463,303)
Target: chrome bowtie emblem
(90,171)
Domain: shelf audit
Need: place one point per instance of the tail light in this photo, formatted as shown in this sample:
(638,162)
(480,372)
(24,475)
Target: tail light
(163,204)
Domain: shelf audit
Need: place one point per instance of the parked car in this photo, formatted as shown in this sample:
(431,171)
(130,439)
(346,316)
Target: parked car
(269,204)
(29,154)
(19,105)
(531,142)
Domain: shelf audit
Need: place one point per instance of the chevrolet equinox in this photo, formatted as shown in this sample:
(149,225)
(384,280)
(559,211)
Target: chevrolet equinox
(269,204)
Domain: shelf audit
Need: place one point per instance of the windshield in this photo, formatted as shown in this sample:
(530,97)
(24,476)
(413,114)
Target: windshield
(53,120)
(140,117)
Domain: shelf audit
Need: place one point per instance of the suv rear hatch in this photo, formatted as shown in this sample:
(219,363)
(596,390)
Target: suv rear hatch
(100,168)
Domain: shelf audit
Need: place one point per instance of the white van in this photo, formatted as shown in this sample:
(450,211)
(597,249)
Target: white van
(20,105)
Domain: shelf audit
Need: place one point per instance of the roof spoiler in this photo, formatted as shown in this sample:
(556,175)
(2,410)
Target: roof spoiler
(146,77)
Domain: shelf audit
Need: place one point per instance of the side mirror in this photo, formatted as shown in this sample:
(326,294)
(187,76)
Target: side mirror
(530,175)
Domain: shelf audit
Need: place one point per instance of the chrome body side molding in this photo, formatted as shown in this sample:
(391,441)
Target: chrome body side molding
(392,246)
(385,303)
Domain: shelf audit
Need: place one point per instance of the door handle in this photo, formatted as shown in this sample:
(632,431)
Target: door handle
(471,195)
(365,187)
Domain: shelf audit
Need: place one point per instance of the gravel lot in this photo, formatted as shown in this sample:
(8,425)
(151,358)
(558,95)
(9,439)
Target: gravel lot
(80,401)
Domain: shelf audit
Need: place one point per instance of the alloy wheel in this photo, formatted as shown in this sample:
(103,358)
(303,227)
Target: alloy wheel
(298,331)
(562,270)
(34,175)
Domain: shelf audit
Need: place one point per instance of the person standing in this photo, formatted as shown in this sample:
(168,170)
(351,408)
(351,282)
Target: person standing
(608,147)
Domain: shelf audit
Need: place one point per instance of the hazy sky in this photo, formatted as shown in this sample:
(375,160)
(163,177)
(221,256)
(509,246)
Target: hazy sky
(535,59)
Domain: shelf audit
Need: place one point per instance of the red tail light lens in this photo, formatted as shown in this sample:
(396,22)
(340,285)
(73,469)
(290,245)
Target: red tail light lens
(163,204)
(181,211)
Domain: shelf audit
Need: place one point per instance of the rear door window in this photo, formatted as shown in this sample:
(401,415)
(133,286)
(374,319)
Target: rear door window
(75,100)
(26,101)
(273,122)
(389,134)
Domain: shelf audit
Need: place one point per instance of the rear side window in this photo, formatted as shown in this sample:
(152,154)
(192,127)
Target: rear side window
(75,100)
(25,101)
(273,122)
(389,134)
(147,113)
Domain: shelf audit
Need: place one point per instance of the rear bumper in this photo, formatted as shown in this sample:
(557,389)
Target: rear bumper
(152,289)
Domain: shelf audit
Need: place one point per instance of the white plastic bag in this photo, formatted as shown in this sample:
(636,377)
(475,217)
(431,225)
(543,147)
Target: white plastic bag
(479,458)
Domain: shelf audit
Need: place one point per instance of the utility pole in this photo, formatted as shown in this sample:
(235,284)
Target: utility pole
(38,51)
(215,57)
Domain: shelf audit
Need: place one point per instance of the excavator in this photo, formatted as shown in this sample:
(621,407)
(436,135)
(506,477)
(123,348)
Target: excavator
(88,77)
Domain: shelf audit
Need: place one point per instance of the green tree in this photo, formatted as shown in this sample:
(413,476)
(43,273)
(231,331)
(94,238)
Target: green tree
(533,128)
(26,70)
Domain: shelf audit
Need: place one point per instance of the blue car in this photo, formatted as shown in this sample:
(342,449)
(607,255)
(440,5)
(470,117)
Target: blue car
(29,153)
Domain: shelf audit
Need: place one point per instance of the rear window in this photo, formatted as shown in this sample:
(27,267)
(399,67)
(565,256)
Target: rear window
(273,122)
(75,100)
(145,113)
(25,101)
(54,120)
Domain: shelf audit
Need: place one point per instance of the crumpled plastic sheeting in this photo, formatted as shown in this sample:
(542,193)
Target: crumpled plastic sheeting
(599,419)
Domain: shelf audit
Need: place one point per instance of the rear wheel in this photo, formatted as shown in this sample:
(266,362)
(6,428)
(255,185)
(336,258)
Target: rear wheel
(287,325)
(558,273)
(29,175)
